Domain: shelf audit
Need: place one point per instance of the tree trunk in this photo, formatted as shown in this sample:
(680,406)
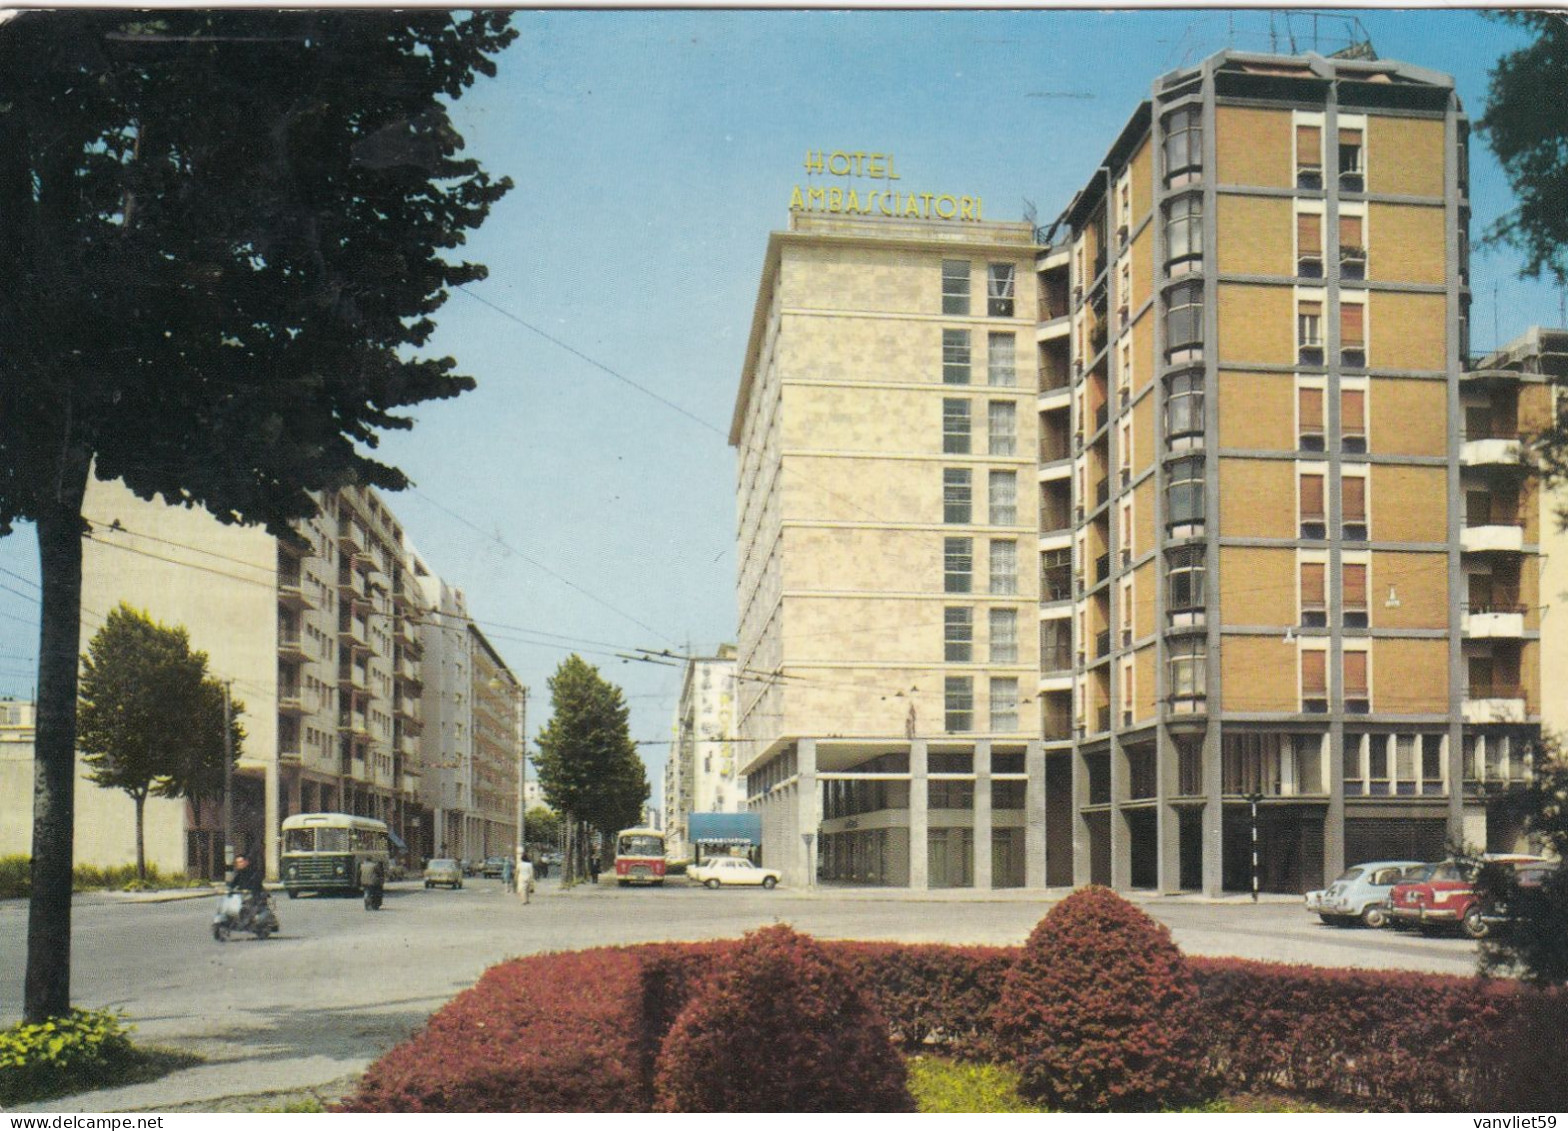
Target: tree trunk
(141,850)
(48,981)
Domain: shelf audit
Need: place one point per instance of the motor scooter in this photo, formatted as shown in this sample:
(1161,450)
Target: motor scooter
(260,918)
(373,895)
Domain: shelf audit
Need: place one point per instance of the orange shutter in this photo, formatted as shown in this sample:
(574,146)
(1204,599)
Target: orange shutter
(1355,675)
(1312,591)
(1309,233)
(1352,324)
(1353,496)
(1350,231)
(1310,402)
(1352,411)
(1309,146)
(1314,673)
(1355,582)
(1349,137)
(1312,497)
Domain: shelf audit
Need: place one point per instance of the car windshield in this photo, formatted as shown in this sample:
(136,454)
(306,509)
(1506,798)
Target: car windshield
(442,864)
(641,846)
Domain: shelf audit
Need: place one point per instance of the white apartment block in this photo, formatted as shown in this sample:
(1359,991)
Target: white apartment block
(702,775)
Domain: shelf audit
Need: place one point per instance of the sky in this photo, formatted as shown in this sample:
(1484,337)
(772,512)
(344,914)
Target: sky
(583,496)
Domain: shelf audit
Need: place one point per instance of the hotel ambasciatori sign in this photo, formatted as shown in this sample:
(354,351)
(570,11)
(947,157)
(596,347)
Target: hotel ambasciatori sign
(889,201)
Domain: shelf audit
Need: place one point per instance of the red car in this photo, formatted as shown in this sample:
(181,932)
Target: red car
(1445,896)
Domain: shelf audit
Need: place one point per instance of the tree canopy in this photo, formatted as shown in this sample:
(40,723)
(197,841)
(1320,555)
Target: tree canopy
(150,720)
(588,765)
(226,235)
(1527,128)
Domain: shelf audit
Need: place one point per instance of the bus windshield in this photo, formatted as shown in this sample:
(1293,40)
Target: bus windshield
(641,846)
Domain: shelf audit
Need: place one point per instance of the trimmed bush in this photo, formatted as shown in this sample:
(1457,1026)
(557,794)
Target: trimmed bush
(83,1049)
(932,994)
(781,1027)
(1100,1011)
(555,1032)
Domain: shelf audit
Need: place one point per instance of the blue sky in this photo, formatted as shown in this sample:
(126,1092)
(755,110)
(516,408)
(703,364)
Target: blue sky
(653,151)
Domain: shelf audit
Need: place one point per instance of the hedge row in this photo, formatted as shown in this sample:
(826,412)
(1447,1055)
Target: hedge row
(581,1031)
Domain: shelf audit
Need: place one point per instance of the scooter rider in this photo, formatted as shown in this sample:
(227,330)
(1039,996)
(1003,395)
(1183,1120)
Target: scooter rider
(373,879)
(247,880)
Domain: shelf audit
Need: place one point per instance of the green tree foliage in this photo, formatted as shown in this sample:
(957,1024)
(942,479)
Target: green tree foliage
(225,235)
(150,718)
(1527,129)
(1535,946)
(543,826)
(588,764)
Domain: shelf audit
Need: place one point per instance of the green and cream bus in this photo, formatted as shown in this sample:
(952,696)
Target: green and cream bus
(323,851)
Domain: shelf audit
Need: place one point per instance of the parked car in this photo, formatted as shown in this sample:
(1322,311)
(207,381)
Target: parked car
(1361,893)
(493,868)
(721,870)
(1445,896)
(443,873)
(1497,915)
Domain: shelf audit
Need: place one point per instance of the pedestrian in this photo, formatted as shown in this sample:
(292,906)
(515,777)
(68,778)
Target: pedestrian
(593,867)
(508,876)
(525,880)
(372,880)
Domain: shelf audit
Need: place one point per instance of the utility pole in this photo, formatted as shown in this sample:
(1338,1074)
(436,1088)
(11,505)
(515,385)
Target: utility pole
(228,780)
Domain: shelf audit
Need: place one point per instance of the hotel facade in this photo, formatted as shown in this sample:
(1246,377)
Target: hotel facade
(1064,553)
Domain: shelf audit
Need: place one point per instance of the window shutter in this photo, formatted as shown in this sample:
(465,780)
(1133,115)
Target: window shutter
(1355,675)
(1352,324)
(1353,497)
(1312,496)
(1312,586)
(1355,586)
(1314,673)
(1309,233)
(1350,231)
(1309,145)
(1352,411)
(1311,405)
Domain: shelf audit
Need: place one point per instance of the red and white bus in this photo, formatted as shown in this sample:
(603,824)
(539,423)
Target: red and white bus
(639,857)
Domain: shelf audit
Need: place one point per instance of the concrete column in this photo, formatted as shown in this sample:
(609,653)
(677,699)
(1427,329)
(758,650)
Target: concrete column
(271,833)
(1213,811)
(919,817)
(1167,820)
(982,816)
(1081,836)
(1034,816)
(808,816)
(1121,840)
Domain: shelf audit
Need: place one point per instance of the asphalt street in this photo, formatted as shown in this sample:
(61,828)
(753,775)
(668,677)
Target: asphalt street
(312,1006)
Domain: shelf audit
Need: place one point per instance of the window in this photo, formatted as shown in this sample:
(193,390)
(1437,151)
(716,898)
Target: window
(1001,360)
(1004,636)
(1004,704)
(1353,333)
(1351,177)
(1314,594)
(1183,145)
(959,704)
(1356,689)
(1352,419)
(958,564)
(1184,492)
(1184,406)
(1314,519)
(957,495)
(1314,679)
(999,290)
(955,286)
(1056,645)
(955,357)
(1004,567)
(1002,428)
(1309,331)
(1355,772)
(1002,498)
(1309,157)
(1056,568)
(1407,759)
(955,427)
(1431,764)
(1309,245)
(1188,670)
(1184,234)
(1353,507)
(1307,754)
(1184,321)
(1353,592)
(1185,579)
(1309,412)
(1352,247)
(958,635)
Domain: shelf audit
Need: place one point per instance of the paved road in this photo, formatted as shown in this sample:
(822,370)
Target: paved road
(338,986)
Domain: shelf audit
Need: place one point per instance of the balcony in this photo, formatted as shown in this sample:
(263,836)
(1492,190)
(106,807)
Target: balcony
(1493,536)
(1055,584)
(291,645)
(290,702)
(1352,262)
(291,592)
(1102,719)
(1492,451)
(1102,568)
(1056,658)
(1102,644)
(1056,726)
(1102,493)
(1496,620)
(1494,703)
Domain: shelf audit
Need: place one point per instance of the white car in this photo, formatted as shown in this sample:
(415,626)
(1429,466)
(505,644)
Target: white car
(1361,894)
(721,870)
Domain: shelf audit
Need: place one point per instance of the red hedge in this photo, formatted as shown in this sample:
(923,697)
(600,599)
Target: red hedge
(1099,1013)
(780,1027)
(557,1032)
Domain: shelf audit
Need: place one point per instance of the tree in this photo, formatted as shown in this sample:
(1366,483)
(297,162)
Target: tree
(146,722)
(588,765)
(1534,947)
(225,235)
(1525,125)
(543,826)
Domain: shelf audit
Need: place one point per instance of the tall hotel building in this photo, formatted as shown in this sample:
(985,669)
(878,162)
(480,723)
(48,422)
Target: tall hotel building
(1287,550)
